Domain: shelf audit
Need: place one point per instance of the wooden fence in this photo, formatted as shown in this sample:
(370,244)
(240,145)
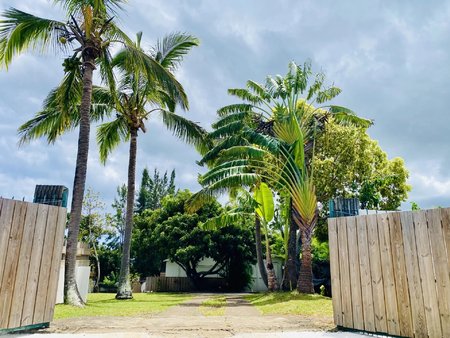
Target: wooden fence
(168,284)
(31,240)
(390,272)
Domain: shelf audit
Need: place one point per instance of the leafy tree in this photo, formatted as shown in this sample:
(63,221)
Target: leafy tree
(348,163)
(93,227)
(135,99)
(180,236)
(118,219)
(153,190)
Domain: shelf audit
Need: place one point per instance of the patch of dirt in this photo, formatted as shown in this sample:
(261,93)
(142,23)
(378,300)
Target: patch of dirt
(185,320)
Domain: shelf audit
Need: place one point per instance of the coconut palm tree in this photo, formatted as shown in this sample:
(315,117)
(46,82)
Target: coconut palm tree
(88,32)
(136,100)
(270,137)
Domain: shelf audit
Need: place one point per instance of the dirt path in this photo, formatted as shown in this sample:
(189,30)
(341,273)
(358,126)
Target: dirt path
(185,320)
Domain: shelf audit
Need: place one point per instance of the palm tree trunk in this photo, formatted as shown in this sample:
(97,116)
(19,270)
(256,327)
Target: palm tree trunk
(305,277)
(259,256)
(71,293)
(272,283)
(290,269)
(124,289)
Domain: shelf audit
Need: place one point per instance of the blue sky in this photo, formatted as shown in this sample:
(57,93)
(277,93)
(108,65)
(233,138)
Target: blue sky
(390,58)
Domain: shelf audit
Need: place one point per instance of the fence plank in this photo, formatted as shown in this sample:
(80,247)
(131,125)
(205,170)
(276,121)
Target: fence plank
(47,253)
(399,268)
(334,267)
(344,269)
(441,268)
(355,277)
(35,265)
(413,274)
(388,275)
(5,228)
(427,274)
(366,278)
(376,273)
(445,217)
(55,264)
(22,269)
(11,262)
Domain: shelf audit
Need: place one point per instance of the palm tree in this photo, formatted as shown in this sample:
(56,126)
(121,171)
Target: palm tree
(136,99)
(88,31)
(270,138)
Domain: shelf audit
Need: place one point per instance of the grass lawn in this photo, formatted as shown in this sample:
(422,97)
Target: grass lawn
(104,304)
(214,306)
(291,303)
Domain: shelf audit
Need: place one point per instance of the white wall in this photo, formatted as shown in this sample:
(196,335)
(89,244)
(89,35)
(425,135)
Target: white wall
(83,271)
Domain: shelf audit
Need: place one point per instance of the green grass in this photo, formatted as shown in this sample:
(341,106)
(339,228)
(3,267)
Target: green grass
(104,304)
(291,303)
(214,306)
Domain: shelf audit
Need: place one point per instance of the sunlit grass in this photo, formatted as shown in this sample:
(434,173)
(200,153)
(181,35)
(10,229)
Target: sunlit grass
(291,303)
(104,304)
(214,306)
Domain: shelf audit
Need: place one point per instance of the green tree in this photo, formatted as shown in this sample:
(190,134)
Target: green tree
(93,227)
(152,190)
(118,218)
(135,100)
(348,163)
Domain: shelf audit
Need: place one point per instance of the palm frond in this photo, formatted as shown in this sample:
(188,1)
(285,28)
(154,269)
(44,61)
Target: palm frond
(346,116)
(245,95)
(227,130)
(186,130)
(169,51)
(225,219)
(20,31)
(235,108)
(241,116)
(212,153)
(327,94)
(110,134)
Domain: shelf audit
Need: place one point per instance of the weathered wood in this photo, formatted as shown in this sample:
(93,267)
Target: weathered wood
(44,272)
(334,266)
(413,275)
(366,278)
(11,262)
(344,269)
(388,275)
(401,282)
(376,274)
(355,277)
(22,269)
(427,275)
(441,268)
(445,218)
(55,264)
(35,265)
(5,228)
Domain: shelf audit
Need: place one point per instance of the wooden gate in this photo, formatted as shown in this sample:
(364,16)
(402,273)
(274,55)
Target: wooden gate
(390,272)
(31,240)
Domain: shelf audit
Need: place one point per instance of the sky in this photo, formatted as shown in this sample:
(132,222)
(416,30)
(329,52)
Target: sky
(390,58)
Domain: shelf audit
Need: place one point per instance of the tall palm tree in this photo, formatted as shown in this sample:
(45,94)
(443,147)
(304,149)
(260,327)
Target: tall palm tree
(136,99)
(88,30)
(270,137)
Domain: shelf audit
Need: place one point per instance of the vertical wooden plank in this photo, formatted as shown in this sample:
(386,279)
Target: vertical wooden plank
(366,277)
(5,228)
(355,277)
(413,274)
(441,268)
(55,265)
(387,270)
(427,274)
(344,273)
(35,265)
(376,274)
(44,272)
(401,282)
(11,262)
(23,266)
(445,218)
(334,269)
